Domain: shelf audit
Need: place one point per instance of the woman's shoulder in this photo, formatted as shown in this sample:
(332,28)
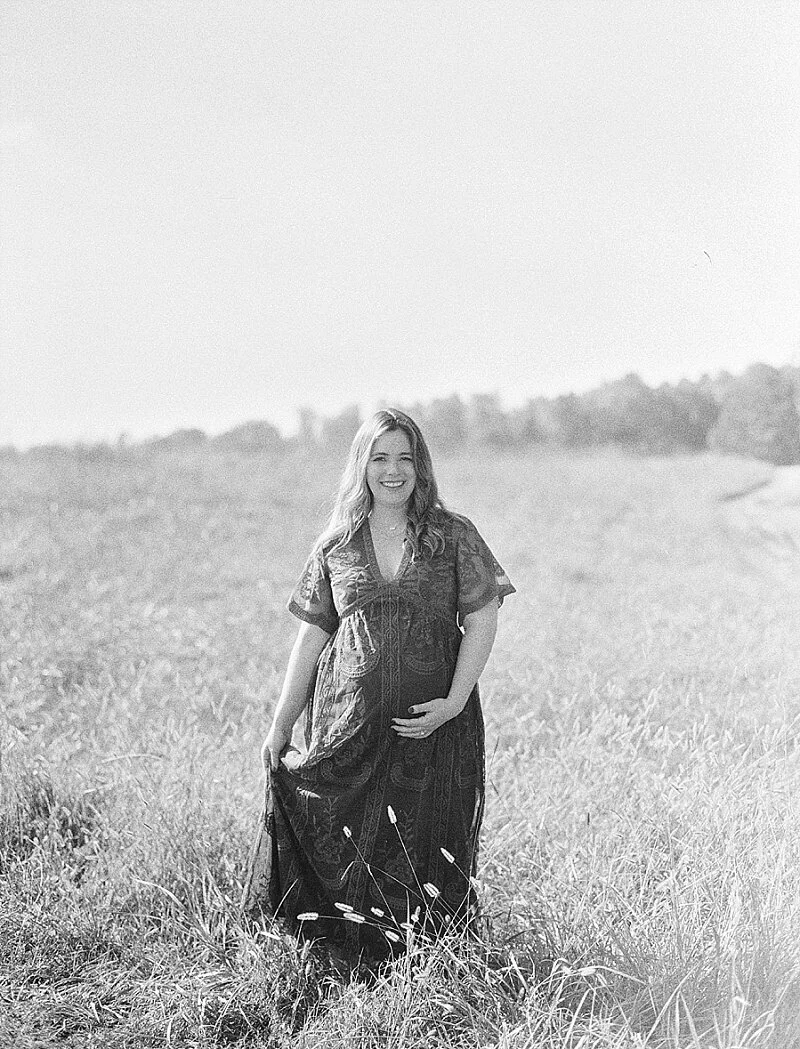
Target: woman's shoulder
(455,520)
(328,543)
(454,524)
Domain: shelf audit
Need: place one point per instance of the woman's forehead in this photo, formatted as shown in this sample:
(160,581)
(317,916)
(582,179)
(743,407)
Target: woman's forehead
(394,441)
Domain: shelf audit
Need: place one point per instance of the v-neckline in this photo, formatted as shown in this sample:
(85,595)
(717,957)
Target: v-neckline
(373,557)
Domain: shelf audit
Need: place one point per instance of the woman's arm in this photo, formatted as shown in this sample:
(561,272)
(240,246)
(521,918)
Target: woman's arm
(480,629)
(294,695)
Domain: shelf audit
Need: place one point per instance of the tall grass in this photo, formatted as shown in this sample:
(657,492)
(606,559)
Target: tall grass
(639,868)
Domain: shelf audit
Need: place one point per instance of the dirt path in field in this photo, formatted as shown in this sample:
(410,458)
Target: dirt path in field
(768,516)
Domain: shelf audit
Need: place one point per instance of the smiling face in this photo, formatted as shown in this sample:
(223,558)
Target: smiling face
(390,470)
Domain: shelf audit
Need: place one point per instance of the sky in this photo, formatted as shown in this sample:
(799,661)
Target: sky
(212,212)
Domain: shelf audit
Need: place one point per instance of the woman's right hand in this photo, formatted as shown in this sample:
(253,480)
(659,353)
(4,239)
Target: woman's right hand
(278,739)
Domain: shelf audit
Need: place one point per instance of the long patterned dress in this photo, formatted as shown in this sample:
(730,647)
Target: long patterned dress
(366,826)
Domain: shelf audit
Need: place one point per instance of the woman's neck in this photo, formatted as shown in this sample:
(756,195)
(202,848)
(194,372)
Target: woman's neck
(388,517)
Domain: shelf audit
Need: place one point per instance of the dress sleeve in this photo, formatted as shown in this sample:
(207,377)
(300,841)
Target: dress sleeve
(480,576)
(312,597)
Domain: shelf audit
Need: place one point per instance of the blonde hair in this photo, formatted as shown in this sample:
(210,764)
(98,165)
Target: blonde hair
(354,499)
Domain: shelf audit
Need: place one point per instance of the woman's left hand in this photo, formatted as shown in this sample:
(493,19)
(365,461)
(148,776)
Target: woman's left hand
(429,717)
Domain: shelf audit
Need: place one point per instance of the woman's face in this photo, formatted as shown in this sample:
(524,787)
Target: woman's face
(390,470)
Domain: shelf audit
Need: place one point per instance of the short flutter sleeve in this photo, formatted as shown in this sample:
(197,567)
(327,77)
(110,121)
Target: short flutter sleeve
(480,576)
(312,597)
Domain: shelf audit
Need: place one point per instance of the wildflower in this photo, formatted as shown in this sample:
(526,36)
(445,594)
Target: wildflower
(378,912)
(354,916)
(431,890)
(391,935)
(347,832)
(392,817)
(343,907)
(448,855)
(308,916)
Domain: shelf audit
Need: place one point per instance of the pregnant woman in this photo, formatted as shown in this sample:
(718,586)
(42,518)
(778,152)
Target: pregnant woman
(376,824)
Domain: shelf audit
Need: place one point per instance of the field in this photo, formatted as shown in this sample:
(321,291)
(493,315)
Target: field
(640,866)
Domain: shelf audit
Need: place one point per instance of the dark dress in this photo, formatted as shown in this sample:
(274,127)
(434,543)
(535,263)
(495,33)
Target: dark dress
(353,833)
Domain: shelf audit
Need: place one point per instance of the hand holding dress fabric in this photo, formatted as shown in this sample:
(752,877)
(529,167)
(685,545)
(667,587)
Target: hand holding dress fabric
(275,746)
(311,639)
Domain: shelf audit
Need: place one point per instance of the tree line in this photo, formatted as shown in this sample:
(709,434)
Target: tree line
(754,414)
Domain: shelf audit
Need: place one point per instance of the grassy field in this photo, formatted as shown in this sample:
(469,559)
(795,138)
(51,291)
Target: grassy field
(640,867)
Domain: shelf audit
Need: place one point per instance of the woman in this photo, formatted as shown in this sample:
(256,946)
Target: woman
(378,821)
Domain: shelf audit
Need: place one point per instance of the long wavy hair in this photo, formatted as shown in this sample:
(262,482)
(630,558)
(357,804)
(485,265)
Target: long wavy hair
(354,499)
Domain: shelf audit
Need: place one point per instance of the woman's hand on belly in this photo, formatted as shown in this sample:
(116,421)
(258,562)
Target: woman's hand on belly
(429,717)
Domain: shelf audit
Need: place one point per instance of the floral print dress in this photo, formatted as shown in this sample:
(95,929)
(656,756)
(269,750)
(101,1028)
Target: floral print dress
(366,826)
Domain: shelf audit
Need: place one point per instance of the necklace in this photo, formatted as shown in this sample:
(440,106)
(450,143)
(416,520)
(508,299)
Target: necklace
(391,530)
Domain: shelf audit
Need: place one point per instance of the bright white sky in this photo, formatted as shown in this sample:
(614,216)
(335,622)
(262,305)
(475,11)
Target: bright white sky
(220,210)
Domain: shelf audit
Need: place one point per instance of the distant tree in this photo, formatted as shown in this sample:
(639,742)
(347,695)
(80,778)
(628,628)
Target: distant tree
(758,418)
(179,440)
(791,372)
(48,452)
(189,436)
(685,415)
(309,427)
(337,432)
(487,423)
(624,412)
(99,451)
(717,387)
(253,438)
(524,424)
(443,422)
(563,420)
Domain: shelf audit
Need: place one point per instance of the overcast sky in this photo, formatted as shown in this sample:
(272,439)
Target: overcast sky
(220,211)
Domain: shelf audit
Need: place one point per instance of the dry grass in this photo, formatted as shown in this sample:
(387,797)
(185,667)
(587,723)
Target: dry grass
(640,862)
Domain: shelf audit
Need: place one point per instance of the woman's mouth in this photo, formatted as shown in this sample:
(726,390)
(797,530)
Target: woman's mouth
(393,484)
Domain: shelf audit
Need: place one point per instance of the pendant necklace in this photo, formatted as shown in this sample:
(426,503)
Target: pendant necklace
(390,530)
